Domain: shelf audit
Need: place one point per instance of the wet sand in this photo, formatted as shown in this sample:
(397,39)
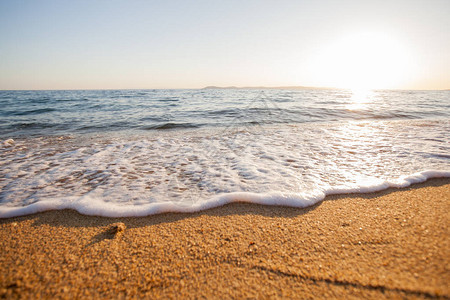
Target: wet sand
(390,244)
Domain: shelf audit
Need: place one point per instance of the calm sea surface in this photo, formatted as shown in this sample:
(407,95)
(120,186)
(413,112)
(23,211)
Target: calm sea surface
(141,152)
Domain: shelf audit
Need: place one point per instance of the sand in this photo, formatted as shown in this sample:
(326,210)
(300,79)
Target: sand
(390,244)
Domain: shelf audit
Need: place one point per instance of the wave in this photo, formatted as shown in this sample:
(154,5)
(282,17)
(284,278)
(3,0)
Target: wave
(88,205)
(225,112)
(199,107)
(41,100)
(170,126)
(104,127)
(169,99)
(33,112)
(33,125)
(8,113)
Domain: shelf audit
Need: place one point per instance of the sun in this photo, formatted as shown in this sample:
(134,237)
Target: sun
(362,61)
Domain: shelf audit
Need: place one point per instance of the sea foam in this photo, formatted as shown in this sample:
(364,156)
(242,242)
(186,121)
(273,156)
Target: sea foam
(191,170)
(98,207)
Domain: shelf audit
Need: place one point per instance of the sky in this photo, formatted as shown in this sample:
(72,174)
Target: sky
(394,44)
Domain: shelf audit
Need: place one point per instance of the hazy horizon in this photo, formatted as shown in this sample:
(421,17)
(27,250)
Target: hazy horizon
(352,44)
(228,87)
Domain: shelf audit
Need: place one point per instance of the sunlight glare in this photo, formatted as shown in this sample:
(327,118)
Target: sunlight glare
(360,97)
(363,61)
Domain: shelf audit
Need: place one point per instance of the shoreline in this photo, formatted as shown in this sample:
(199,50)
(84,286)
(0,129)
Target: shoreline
(117,211)
(391,243)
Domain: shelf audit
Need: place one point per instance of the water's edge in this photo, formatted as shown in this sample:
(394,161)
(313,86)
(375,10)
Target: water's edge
(297,200)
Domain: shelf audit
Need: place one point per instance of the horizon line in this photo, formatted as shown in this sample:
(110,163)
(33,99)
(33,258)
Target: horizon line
(291,87)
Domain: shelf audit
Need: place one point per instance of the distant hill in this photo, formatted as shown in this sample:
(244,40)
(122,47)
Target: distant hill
(266,88)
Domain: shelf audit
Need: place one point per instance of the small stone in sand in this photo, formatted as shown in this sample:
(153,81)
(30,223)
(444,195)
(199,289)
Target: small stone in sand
(117,228)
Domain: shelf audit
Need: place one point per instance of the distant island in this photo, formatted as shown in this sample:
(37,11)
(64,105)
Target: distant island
(212,87)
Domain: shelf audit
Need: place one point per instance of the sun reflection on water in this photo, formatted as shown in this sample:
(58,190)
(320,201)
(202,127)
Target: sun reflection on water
(360,98)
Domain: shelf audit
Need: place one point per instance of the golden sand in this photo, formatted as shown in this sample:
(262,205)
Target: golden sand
(390,244)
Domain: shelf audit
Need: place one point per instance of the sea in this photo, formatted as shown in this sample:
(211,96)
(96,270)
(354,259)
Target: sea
(120,153)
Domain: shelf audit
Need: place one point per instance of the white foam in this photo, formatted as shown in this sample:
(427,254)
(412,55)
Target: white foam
(189,171)
(98,207)
(8,143)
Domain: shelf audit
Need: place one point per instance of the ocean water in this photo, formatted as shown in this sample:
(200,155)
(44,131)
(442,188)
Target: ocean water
(141,152)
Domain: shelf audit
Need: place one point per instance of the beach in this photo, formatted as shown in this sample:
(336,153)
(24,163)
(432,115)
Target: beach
(221,150)
(388,244)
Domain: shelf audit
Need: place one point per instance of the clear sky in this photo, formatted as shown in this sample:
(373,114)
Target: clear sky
(80,44)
